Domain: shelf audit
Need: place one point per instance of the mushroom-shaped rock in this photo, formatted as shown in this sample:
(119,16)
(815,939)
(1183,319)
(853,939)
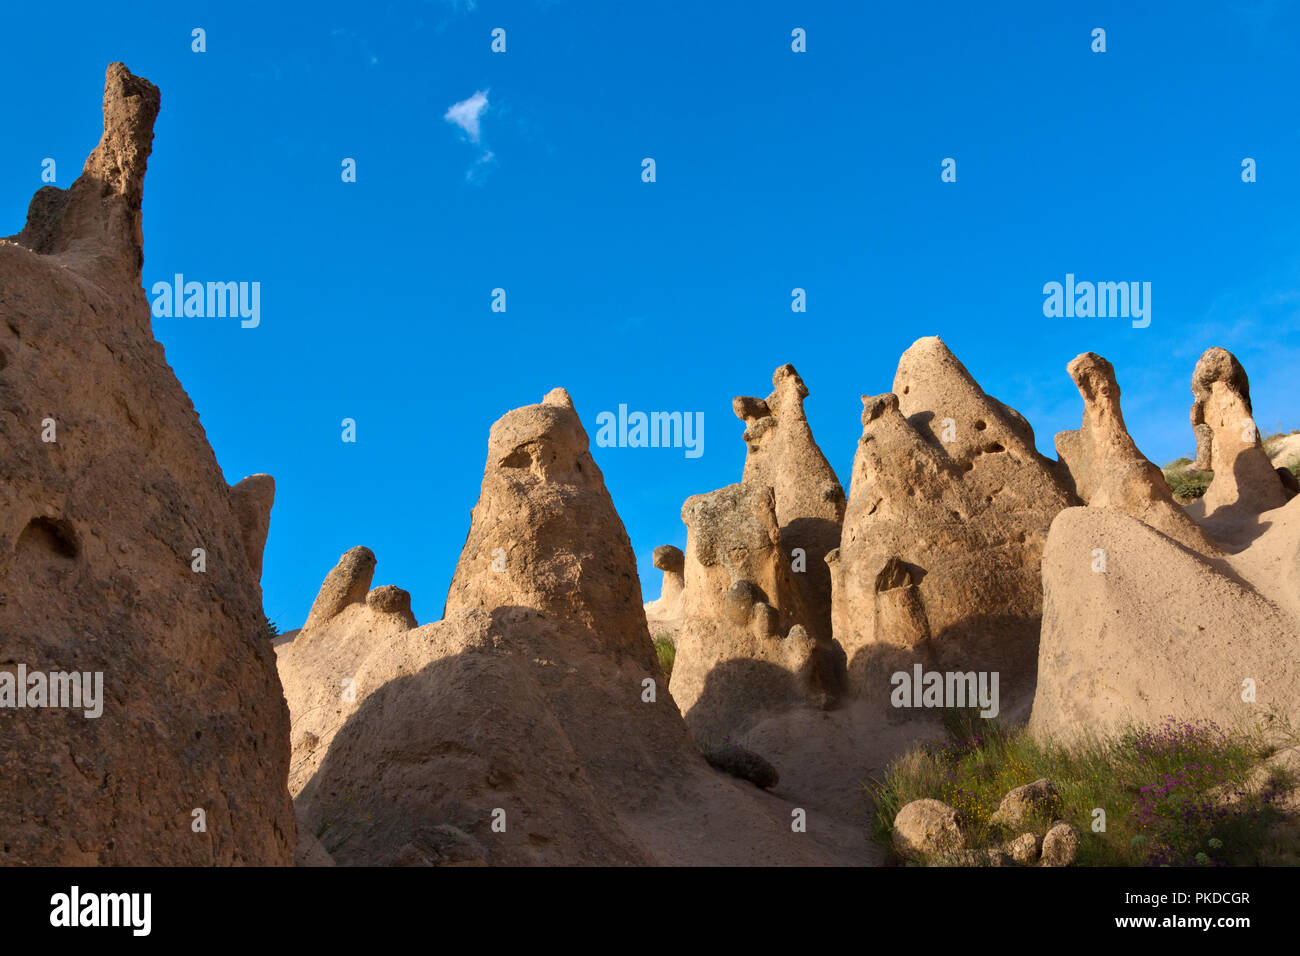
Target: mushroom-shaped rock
(1106,468)
(1245,483)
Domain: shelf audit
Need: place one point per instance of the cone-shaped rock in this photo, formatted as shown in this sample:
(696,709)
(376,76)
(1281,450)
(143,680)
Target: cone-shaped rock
(948,510)
(531,725)
(123,554)
(782,455)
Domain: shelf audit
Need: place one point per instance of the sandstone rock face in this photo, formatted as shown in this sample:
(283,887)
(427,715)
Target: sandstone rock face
(742,649)
(927,826)
(782,455)
(742,763)
(948,510)
(1228,443)
(1105,467)
(98,529)
(1137,628)
(251,500)
(523,727)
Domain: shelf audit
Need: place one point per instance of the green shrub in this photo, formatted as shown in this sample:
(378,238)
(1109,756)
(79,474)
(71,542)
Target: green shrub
(1185,481)
(666,652)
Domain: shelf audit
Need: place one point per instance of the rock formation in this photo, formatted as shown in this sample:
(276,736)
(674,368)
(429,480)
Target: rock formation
(251,500)
(782,455)
(524,727)
(1137,628)
(743,648)
(1104,466)
(1245,483)
(124,554)
(948,510)
(664,615)
(754,633)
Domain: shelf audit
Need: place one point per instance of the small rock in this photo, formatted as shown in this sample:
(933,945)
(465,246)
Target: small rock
(1060,845)
(1024,848)
(1039,797)
(927,826)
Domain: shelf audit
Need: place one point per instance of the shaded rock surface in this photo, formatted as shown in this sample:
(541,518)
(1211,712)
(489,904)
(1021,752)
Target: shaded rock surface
(780,454)
(1245,483)
(948,510)
(1158,630)
(98,530)
(522,719)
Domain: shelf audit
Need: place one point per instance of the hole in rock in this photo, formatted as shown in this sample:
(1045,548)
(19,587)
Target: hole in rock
(49,536)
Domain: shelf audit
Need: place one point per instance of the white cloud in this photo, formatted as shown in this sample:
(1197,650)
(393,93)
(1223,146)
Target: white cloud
(466,113)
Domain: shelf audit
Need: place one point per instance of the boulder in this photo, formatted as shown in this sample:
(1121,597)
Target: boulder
(742,763)
(1022,804)
(1060,845)
(927,826)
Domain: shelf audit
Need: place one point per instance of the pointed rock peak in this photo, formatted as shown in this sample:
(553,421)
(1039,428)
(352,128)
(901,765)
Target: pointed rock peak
(544,533)
(948,407)
(559,397)
(99,215)
(347,584)
(131,105)
(251,501)
(546,441)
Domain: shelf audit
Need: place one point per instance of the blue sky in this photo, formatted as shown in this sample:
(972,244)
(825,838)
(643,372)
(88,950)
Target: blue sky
(775,170)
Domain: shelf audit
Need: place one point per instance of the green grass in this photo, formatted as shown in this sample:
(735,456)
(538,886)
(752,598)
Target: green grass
(1185,481)
(1178,794)
(666,652)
